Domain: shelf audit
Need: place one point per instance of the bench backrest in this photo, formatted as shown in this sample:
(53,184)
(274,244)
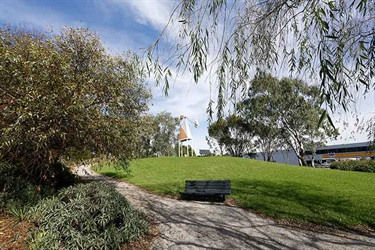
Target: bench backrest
(208,185)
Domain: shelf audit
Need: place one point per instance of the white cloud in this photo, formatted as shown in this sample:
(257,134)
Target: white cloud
(149,12)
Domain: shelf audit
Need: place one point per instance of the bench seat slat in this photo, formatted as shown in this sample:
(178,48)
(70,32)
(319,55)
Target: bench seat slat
(207,191)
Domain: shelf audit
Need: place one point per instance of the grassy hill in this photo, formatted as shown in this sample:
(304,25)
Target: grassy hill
(322,196)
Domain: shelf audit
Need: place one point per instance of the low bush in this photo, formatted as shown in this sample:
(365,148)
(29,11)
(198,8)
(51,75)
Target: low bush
(361,165)
(86,216)
(15,190)
(19,212)
(59,176)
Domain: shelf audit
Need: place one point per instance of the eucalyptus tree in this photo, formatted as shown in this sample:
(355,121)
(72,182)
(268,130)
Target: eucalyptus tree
(285,111)
(332,42)
(64,96)
(262,116)
(232,134)
(213,145)
(217,133)
(165,134)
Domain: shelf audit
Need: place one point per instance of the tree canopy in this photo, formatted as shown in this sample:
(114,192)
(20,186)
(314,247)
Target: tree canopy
(284,113)
(232,134)
(330,42)
(63,96)
(160,136)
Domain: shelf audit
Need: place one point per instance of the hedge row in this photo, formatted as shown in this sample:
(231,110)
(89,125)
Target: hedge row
(361,165)
(86,216)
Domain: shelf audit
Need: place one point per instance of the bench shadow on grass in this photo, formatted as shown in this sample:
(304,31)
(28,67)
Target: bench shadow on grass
(304,203)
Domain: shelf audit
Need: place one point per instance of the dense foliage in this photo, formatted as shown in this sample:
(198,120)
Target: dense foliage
(284,113)
(63,96)
(86,216)
(15,190)
(361,165)
(231,134)
(18,193)
(160,136)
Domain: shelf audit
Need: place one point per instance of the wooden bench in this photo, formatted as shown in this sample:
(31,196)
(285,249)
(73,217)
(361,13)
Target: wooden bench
(206,190)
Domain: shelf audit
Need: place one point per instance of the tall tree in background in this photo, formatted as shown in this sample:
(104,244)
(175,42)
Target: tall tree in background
(214,146)
(262,116)
(289,109)
(232,134)
(165,130)
(159,135)
(331,42)
(63,96)
(146,134)
(217,133)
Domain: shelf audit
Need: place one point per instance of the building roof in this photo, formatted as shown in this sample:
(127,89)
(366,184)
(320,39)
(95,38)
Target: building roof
(347,145)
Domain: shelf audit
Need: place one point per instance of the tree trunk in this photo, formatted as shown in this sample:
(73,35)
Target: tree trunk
(269,158)
(264,156)
(302,161)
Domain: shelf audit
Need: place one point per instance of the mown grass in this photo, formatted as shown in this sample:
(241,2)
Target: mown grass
(301,194)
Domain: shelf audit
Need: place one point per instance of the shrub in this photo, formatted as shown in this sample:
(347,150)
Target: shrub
(63,96)
(86,216)
(362,165)
(15,189)
(19,212)
(59,176)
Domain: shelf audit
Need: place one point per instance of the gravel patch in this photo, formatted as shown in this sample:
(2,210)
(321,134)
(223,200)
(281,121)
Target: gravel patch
(205,225)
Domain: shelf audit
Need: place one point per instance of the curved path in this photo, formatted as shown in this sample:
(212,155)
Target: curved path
(201,225)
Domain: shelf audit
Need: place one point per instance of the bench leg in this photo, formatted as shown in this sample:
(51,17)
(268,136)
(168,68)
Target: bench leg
(222,198)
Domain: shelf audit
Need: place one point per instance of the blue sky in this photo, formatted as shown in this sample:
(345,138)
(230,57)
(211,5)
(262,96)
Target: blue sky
(133,25)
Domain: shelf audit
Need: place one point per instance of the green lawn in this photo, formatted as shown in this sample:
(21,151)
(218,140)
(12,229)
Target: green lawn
(323,196)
